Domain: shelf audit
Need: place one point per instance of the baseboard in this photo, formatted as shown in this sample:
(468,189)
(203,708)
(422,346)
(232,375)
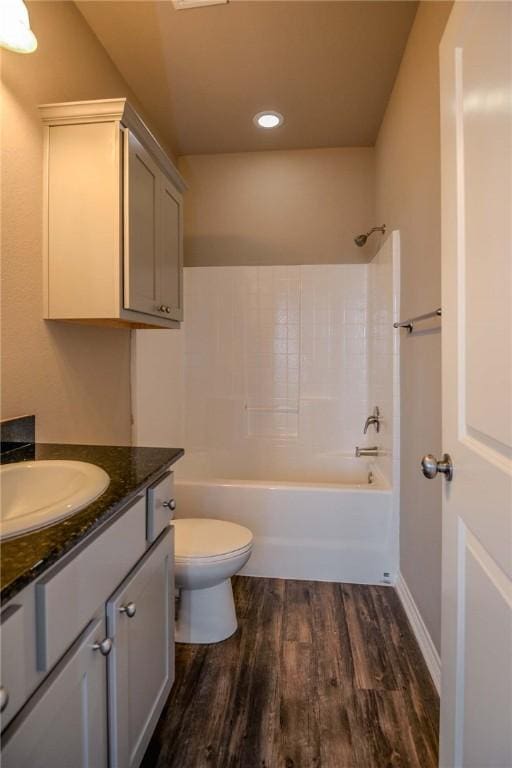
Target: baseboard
(421,633)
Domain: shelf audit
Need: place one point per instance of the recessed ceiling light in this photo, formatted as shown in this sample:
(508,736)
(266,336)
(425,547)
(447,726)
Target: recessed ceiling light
(268,119)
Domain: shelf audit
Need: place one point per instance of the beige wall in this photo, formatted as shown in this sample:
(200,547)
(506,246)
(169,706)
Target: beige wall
(408,198)
(282,207)
(75,379)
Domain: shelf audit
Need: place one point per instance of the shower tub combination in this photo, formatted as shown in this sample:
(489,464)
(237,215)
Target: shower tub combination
(331,528)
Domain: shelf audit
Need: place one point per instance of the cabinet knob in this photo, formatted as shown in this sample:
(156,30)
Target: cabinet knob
(171,504)
(162,308)
(130,609)
(4,698)
(104,646)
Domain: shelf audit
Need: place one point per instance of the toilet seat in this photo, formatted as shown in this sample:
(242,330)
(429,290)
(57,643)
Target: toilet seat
(205,541)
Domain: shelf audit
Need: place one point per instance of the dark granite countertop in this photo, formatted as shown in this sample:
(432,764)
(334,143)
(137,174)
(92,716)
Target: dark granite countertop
(130,469)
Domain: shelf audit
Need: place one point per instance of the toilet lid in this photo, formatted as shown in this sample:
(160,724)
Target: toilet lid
(199,537)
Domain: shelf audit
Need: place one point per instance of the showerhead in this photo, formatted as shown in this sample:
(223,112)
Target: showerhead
(360,240)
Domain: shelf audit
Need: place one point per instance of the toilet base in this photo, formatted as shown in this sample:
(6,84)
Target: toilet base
(206,615)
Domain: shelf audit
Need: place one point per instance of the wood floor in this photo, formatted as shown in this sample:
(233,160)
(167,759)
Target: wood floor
(317,675)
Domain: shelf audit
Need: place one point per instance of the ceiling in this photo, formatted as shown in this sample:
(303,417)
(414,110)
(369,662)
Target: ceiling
(203,73)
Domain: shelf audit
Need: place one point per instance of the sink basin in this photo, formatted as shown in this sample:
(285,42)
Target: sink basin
(36,494)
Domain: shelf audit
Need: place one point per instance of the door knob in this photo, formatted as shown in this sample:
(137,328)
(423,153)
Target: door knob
(103,646)
(130,609)
(430,466)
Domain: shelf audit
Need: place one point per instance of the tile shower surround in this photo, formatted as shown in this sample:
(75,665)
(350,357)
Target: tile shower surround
(276,366)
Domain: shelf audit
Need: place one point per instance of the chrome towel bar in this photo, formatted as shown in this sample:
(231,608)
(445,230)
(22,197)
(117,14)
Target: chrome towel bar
(409,324)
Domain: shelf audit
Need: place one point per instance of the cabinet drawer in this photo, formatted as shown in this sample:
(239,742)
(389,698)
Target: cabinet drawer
(161,504)
(14,671)
(69,594)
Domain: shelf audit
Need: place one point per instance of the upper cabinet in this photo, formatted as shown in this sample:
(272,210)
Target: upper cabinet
(113,219)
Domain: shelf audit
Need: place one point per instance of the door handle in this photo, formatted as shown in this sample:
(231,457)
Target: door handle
(430,466)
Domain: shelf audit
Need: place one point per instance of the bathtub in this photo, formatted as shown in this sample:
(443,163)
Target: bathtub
(324,530)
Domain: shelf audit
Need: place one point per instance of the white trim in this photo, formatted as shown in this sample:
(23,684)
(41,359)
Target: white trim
(421,633)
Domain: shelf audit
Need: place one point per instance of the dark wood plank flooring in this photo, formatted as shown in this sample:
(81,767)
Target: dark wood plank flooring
(317,675)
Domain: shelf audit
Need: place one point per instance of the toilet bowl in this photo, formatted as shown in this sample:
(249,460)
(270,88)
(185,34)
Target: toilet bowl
(207,554)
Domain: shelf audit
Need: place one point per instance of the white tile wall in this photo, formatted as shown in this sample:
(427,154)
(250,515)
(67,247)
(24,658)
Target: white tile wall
(276,365)
(275,369)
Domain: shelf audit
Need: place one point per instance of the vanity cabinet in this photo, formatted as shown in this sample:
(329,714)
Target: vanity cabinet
(88,649)
(113,219)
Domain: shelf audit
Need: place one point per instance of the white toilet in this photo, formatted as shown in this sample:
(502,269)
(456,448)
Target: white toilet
(207,554)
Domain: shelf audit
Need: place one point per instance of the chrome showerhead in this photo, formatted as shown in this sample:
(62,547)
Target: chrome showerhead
(360,240)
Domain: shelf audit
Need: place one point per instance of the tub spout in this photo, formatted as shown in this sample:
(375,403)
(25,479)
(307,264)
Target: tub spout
(373,451)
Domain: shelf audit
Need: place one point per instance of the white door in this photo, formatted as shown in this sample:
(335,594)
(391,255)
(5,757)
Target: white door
(476,135)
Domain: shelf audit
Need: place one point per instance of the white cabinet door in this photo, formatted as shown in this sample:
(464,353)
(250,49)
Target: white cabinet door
(140,620)
(476,143)
(170,278)
(64,724)
(153,239)
(142,182)
(14,672)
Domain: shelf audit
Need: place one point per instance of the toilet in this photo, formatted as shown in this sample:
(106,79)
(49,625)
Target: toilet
(207,554)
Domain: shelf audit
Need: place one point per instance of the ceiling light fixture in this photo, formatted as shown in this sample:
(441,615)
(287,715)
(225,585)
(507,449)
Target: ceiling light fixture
(15,32)
(268,119)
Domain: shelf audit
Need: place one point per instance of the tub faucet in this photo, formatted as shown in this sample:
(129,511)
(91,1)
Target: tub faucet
(373,419)
(373,451)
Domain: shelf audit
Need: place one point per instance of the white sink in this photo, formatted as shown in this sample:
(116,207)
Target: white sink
(36,494)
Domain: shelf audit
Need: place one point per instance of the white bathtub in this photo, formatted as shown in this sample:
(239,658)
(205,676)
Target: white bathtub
(324,531)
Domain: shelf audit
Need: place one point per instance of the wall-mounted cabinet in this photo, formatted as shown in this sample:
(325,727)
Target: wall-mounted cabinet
(113,219)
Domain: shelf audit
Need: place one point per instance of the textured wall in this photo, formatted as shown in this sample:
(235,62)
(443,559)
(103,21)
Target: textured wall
(408,199)
(268,208)
(76,379)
